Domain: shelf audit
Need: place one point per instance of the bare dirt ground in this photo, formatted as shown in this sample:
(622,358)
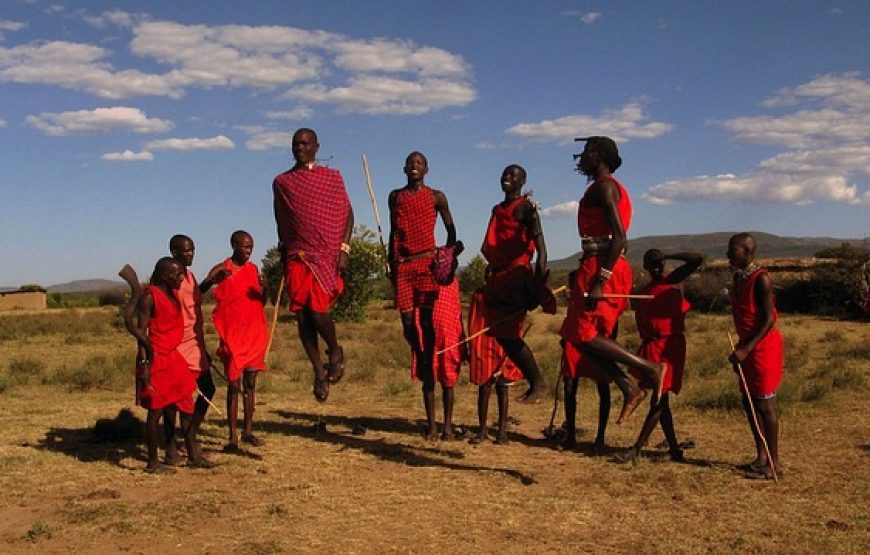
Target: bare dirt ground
(311,489)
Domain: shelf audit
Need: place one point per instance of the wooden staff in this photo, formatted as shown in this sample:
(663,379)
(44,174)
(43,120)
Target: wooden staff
(207,400)
(128,274)
(365,164)
(621,296)
(277,307)
(489,327)
(754,415)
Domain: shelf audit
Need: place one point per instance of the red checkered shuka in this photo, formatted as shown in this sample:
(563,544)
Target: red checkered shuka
(447,322)
(507,242)
(311,209)
(415,217)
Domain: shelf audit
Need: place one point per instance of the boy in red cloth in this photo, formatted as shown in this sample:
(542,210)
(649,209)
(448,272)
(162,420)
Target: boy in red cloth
(240,322)
(193,350)
(661,322)
(163,380)
(490,366)
(414,210)
(603,218)
(759,350)
(512,288)
(315,223)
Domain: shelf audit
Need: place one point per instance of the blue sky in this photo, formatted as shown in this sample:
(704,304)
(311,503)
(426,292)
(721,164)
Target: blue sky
(122,123)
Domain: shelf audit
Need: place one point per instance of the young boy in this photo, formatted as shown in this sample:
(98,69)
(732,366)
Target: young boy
(489,366)
(661,322)
(759,351)
(240,322)
(414,210)
(512,287)
(163,380)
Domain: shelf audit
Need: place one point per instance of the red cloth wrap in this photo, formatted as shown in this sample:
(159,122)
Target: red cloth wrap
(763,367)
(447,321)
(507,242)
(582,324)
(240,320)
(311,210)
(413,233)
(487,356)
(660,324)
(576,365)
(509,290)
(304,290)
(171,382)
(192,346)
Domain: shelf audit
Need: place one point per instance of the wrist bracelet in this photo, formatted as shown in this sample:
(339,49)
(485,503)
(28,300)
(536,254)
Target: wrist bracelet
(605,274)
(345,248)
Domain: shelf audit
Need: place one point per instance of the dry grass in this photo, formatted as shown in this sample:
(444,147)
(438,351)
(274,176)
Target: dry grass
(328,490)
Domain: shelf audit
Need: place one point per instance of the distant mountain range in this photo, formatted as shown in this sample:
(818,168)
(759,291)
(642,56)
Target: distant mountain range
(78,286)
(713,246)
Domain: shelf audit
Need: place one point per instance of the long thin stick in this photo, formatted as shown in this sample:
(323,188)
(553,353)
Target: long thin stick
(277,308)
(365,164)
(207,400)
(621,296)
(497,322)
(754,415)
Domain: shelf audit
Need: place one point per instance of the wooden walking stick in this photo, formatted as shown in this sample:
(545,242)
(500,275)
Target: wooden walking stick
(739,367)
(622,296)
(128,274)
(365,164)
(277,308)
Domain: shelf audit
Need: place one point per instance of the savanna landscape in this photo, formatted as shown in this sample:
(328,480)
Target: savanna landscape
(317,487)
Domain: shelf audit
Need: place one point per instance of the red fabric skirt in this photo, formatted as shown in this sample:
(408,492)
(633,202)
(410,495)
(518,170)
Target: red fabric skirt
(763,366)
(582,324)
(508,296)
(670,349)
(305,291)
(415,286)
(172,383)
(487,356)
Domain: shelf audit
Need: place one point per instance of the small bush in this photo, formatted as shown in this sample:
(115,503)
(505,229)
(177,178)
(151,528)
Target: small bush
(814,392)
(717,397)
(97,372)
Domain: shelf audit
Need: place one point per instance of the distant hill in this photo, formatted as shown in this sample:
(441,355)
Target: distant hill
(83,285)
(713,246)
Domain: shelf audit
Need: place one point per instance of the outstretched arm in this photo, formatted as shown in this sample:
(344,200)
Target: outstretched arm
(444,210)
(691,262)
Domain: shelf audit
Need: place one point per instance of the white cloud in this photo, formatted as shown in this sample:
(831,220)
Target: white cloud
(590,18)
(2,122)
(624,124)
(563,210)
(128,156)
(12,26)
(119,118)
(485,145)
(220,142)
(388,95)
(114,17)
(299,112)
(373,76)
(830,149)
(262,138)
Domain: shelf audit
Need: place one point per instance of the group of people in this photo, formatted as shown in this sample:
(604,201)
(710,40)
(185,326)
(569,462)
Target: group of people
(315,220)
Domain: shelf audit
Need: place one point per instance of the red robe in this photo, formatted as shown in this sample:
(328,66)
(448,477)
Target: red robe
(508,249)
(763,366)
(240,320)
(447,321)
(487,356)
(661,322)
(581,324)
(311,210)
(413,234)
(171,381)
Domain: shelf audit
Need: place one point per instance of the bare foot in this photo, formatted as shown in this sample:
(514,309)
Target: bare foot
(535,394)
(336,365)
(568,444)
(172,458)
(251,439)
(321,385)
(447,436)
(502,439)
(430,433)
(598,448)
(480,437)
(159,469)
(626,455)
(200,462)
(630,404)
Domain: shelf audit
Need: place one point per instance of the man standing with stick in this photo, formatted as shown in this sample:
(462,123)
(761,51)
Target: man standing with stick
(757,357)
(315,223)
(603,218)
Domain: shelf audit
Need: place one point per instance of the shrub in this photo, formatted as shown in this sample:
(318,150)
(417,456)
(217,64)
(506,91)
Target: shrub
(473,276)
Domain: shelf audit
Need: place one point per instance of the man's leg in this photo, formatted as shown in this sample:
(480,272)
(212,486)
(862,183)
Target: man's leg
(326,330)
(483,393)
(172,456)
(250,378)
(205,383)
(233,388)
(151,432)
(570,389)
(308,336)
(518,351)
(447,400)
(603,416)
(652,419)
(501,392)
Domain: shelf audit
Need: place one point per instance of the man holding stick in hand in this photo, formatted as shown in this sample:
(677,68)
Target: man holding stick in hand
(315,223)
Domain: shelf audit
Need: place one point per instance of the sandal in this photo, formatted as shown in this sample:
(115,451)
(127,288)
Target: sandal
(335,368)
(321,387)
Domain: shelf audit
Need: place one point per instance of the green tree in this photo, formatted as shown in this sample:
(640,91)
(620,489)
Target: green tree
(472,276)
(361,278)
